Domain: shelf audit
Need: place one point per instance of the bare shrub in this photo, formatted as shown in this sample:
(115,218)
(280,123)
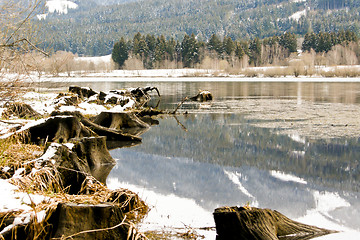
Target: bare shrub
(166,64)
(224,65)
(210,63)
(297,67)
(60,62)
(250,72)
(277,72)
(133,64)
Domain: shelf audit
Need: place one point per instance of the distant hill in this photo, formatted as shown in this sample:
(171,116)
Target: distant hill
(92,28)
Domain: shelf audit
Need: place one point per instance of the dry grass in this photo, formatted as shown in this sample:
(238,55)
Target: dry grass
(14,154)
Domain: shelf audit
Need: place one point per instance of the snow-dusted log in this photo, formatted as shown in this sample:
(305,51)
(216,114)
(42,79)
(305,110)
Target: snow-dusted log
(261,224)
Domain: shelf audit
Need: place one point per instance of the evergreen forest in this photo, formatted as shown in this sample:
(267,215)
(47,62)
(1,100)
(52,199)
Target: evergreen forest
(93,28)
(158,52)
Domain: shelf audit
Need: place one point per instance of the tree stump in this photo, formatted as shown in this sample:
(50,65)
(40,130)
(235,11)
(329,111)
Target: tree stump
(97,156)
(86,221)
(119,120)
(110,134)
(261,224)
(202,96)
(87,157)
(82,92)
(58,129)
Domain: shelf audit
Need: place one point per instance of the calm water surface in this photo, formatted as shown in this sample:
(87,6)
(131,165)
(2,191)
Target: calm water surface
(221,155)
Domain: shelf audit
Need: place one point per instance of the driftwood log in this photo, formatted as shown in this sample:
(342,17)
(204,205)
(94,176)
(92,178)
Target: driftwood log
(141,92)
(261,224)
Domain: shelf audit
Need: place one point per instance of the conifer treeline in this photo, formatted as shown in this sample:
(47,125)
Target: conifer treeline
(324,41)
(153,50)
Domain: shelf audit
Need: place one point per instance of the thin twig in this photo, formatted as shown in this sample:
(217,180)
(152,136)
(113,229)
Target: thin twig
(24,21)
(13,44)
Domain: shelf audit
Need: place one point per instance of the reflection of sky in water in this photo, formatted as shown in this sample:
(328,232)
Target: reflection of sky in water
(190,175)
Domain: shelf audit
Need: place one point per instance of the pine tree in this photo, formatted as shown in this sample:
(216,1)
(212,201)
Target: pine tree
(239,51)
(120,52)
(190,51)
(215,44)
(255,52)
(288,41)
(229,46)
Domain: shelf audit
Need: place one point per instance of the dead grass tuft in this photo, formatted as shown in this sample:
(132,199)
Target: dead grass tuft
(20,110)
(14,155)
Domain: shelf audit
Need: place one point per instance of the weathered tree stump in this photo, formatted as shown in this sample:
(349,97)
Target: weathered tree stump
(58,129)
(202,96)
(97,156)
(261,224)
(66,99)
(84,221)
(111,134)
(82,92)
(120,121)
(72,169)
(74,162)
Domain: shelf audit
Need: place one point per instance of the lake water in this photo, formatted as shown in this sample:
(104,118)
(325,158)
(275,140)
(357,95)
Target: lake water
(289,146)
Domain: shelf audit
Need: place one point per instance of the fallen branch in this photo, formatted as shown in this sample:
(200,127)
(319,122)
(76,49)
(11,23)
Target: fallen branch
(179,105)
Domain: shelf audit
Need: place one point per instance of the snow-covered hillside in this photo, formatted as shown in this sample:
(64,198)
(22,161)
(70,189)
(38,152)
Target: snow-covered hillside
(58,6)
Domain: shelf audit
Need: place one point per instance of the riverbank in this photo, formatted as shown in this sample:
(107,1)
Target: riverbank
(54,166)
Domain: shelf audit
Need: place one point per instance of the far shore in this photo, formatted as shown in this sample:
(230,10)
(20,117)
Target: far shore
(259,74)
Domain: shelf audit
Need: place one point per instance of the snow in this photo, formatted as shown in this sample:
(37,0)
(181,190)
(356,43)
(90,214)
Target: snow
(60,6)
(50,152)
(296,16)
(40,102)
(18,173)
(165,212)
(325,202)
(12,200)
(27,126)
(96,60)
(235,178)
(287,177)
